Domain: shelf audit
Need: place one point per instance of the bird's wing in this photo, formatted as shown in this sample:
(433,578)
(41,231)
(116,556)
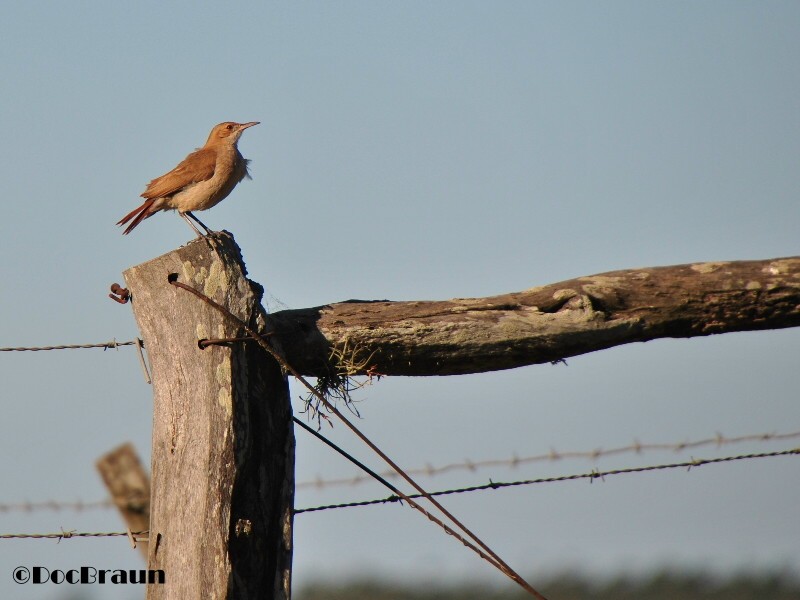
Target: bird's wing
(198,166)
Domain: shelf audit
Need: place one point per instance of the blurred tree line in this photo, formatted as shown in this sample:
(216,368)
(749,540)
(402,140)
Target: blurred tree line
(662,586)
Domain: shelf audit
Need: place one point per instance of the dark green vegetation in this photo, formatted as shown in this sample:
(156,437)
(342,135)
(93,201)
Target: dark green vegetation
(663,586)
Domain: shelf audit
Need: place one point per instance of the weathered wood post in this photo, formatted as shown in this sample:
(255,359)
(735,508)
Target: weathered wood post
(129,486)
(223,444)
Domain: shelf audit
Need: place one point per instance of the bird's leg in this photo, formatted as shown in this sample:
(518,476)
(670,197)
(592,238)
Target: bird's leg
(195,229)
(199,222)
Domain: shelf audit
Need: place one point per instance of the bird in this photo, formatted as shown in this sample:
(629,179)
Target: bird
(203,179)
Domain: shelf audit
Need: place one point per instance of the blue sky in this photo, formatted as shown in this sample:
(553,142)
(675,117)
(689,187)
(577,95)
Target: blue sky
(416,151)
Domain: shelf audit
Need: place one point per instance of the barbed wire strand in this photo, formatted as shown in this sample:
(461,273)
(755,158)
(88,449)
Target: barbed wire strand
(68,534)
(430,470)
(113,344)
(492,485)
(473,465)
(493,558)
(515,461)
(54,505)
(591,476)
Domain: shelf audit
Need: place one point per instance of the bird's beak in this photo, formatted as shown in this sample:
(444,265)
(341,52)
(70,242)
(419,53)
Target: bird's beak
(244,126)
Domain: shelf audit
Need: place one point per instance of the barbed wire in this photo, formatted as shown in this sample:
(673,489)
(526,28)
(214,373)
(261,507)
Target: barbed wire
(68,534)
(113,344)
(591,476)
(55,505)
(492,485)
(513,462)
(636,447)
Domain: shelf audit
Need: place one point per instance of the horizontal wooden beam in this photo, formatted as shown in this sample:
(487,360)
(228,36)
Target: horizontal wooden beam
(541,324)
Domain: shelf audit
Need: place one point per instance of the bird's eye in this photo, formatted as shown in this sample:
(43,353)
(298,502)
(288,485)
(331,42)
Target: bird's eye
(229,127)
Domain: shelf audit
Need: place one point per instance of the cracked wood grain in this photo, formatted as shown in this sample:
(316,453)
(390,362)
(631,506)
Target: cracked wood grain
(545,323)
(223,447)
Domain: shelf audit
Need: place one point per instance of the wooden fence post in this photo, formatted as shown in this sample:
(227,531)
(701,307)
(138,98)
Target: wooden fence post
(129,486)
(223,444)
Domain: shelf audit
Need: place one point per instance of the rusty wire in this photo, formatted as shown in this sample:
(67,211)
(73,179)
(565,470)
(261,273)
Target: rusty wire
(489,556)
(430,470)
(205,343)
(719,440)
(492,485)
(636,447)
(591,476)
(492,558)
(347,455)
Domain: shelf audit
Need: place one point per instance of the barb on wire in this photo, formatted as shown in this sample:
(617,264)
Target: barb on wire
(490,556)
(68,534)
(591,476)
(515,461)
(54,505)
(141,536)
(113,344)
(81,505)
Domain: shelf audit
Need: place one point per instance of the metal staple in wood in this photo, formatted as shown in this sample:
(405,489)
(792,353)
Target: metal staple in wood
(490,556)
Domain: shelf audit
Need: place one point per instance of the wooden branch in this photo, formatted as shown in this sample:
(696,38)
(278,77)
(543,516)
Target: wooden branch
(129,486)
(541,324)
(223,447)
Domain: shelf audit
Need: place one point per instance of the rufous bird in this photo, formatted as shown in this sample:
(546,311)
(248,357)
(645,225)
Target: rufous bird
(200,181)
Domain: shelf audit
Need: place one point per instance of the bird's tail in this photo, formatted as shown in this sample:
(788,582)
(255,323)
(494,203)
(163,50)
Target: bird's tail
(137,215)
